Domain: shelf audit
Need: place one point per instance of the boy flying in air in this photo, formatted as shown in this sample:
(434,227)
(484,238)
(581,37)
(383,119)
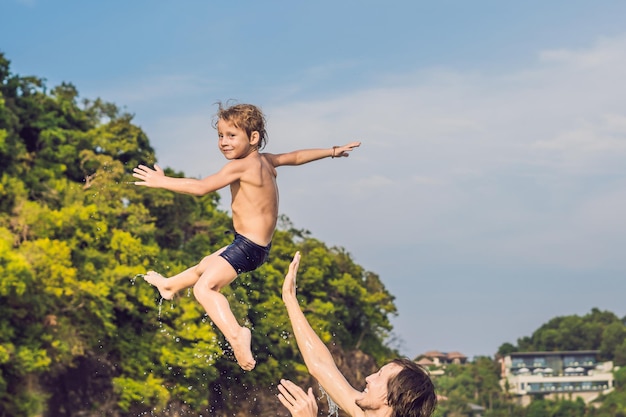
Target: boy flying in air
(252,179)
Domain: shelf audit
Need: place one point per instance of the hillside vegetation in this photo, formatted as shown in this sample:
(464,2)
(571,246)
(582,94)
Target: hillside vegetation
(478,381)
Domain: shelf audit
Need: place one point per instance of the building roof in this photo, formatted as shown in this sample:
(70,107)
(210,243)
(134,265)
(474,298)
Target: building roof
(443,355)
(425,362)
(556,352)
(434,354)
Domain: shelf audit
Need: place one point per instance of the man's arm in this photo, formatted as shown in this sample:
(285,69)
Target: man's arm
(305,156)
(316,355)
(156,178)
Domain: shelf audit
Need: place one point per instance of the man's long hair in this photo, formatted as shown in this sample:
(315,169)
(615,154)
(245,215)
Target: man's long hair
(411,392)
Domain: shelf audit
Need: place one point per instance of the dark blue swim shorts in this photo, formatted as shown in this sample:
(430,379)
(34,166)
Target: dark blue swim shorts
(244,255)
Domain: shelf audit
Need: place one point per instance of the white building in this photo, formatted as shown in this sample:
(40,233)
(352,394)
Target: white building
(566,374)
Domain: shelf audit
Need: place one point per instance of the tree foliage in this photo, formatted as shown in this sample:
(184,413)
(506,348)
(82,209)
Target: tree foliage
(82,333)
(597,330)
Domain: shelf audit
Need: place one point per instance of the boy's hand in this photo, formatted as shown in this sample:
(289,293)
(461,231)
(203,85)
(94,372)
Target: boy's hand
(289,285)
(149,177)
(343,150)
(298,402)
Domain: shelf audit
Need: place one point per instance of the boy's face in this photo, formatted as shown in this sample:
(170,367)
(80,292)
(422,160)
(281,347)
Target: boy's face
(233,142)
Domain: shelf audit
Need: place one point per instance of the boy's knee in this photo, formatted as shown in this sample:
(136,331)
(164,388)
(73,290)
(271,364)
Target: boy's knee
(198,289)
(202,288)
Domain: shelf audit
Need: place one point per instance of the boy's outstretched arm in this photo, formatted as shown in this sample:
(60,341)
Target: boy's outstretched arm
(156,178)
(304,156)
(317,357)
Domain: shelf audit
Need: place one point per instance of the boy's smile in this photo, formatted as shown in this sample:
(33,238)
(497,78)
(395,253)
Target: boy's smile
(233,141)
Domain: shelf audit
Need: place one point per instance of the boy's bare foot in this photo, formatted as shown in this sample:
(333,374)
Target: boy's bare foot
(241,349)
(161,283)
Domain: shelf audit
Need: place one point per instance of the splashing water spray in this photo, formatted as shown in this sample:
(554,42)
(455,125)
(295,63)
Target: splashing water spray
(333,408)
(133,280)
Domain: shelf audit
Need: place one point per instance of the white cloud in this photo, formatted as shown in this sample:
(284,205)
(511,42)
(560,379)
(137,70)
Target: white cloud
(606,52)
(599,137)
(421,180)
(372,182)
(496,145)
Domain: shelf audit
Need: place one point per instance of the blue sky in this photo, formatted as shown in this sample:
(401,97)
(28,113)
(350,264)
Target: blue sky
(490,190)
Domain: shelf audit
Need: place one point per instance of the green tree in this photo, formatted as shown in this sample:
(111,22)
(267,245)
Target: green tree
(539,408)
(613,342)
(570,333)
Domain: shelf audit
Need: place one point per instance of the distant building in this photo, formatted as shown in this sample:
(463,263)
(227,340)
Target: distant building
(436,361)
(569,374)
(437,358)
(425,363)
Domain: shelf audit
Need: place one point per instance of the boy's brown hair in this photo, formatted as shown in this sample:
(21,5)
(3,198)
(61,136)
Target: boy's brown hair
(247,117)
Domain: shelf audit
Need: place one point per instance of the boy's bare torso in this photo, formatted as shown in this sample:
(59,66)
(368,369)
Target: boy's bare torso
(255,198)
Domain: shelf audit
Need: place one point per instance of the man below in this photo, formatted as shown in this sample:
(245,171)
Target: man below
(401,388)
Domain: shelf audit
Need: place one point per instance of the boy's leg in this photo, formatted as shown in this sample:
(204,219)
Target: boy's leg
(218,274)
(168,287)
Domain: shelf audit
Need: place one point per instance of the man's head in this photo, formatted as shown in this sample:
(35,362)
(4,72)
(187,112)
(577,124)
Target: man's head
(244,116)
(410,392)
(401,385)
